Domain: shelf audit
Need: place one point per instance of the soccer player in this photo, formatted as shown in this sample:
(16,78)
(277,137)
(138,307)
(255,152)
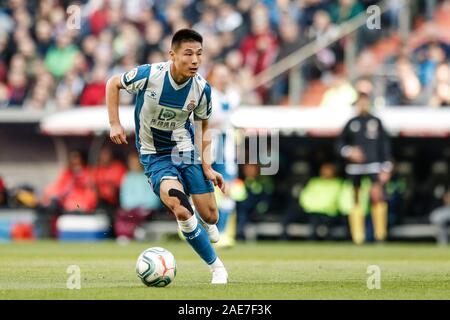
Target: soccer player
(365,146)
(167,94)
(224,99)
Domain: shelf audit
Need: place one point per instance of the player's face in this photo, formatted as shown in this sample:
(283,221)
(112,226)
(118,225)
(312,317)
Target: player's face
(187,58)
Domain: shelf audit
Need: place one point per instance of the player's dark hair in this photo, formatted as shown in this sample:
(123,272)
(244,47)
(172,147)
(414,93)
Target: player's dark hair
(185,35)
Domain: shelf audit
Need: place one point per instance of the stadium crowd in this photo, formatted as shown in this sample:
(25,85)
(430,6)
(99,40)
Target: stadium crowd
(50,59)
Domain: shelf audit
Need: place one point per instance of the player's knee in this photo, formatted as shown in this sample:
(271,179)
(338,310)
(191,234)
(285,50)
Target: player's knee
(212,216)
(181,213)
(178,203)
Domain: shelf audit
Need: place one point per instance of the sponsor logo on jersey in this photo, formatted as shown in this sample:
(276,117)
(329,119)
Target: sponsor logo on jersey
(163,124)
(131,74)
(166,115)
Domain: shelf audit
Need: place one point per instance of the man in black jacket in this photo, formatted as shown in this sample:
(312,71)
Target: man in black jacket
(365,146)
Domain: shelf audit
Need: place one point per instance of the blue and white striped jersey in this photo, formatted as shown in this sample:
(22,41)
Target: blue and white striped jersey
(163,108)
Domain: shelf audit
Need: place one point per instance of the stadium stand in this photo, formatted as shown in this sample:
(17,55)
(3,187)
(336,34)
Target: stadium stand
(47,69)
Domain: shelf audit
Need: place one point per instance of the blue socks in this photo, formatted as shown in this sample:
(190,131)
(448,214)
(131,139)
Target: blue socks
(197,237)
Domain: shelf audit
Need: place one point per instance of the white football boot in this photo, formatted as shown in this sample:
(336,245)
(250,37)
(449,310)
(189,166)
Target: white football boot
(219,273)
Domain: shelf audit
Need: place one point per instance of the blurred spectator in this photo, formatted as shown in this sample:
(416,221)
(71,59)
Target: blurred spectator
(94,91)
(60,58)
(137,199)
(135,191)
(428,63)
(309,9)
(108,175)
(290,41)
(74,188)
(68,90)
(340,95)
(259,48)
(17,88)
(113,33)
(207,23)
(253,198)
(43,34)
(228,18)
(404,87)
(345,10)
(440,95)
(154,32)
(72,192)
(320,199)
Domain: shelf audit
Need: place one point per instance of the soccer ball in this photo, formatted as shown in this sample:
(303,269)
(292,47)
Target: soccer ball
(156,267)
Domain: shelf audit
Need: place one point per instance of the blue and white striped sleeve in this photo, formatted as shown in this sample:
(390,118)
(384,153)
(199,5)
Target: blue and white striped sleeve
(135,79)
(204,109)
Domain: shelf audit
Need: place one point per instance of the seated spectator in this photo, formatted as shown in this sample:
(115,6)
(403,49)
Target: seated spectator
(253,199)
(320,199)
(137,199)
(108,175)
(135,190)
(74,188)
(72,192)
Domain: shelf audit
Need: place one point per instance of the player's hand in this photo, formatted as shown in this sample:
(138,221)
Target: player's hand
(117,134)
(216,179)
(356,155)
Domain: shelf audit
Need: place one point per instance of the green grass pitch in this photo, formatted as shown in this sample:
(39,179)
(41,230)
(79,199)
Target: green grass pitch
(263,270)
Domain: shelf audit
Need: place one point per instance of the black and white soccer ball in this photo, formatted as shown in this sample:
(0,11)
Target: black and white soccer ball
(156,267)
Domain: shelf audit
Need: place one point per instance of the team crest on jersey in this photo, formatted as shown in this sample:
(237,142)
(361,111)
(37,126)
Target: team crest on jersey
(191,105)
(131,74)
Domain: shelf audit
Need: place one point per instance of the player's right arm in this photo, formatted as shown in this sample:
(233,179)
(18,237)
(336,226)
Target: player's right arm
(116,133)
(133,81)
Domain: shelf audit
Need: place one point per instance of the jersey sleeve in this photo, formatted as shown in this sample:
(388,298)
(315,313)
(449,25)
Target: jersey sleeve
(135,79)
(203,110)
